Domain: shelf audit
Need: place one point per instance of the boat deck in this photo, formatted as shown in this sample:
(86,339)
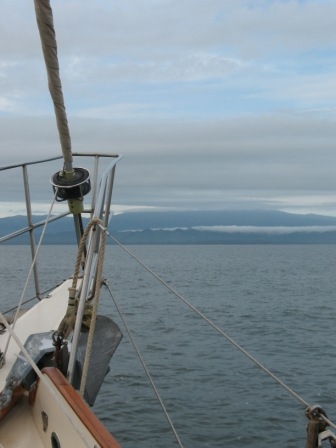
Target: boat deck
(53,415)
(43,317)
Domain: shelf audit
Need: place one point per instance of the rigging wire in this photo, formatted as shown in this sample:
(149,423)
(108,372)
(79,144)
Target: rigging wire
(221,332)
(143,364)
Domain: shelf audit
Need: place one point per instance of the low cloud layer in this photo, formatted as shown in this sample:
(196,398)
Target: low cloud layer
(281,230)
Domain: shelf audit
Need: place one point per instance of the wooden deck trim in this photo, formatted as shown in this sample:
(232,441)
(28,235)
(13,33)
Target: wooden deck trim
(81,409)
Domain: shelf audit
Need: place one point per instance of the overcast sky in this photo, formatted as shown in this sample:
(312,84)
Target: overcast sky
(213,103)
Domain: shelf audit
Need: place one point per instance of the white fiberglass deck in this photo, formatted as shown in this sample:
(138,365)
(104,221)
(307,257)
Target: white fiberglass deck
(44,316)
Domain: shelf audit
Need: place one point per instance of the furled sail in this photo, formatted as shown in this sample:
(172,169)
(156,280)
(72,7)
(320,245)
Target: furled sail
(45,24)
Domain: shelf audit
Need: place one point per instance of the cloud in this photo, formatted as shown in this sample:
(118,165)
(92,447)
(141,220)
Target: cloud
(246,161)
(213,104)
(192,67)
(116,112)
(5,104)
(43,208)
(280,230)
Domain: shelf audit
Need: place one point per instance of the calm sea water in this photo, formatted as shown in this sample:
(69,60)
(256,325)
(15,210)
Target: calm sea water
(278,302)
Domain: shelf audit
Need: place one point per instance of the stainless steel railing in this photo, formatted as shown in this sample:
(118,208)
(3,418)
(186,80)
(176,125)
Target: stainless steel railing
(101,195)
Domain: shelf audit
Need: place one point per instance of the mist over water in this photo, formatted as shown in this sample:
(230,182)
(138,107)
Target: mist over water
(275,301)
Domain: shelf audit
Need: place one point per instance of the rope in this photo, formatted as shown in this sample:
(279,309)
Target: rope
(68,322)
(145,367)
(221,332)
(94,310)
(29,273)
(43,379)
(80,252)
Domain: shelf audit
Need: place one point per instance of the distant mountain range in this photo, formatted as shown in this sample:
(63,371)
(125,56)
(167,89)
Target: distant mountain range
(196,227)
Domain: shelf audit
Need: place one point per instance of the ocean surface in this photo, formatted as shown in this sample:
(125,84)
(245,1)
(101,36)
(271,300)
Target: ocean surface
(277,302)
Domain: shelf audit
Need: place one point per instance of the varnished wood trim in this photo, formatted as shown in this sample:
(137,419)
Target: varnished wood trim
(81,409)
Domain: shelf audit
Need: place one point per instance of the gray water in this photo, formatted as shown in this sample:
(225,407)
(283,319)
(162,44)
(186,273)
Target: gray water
(278,302)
